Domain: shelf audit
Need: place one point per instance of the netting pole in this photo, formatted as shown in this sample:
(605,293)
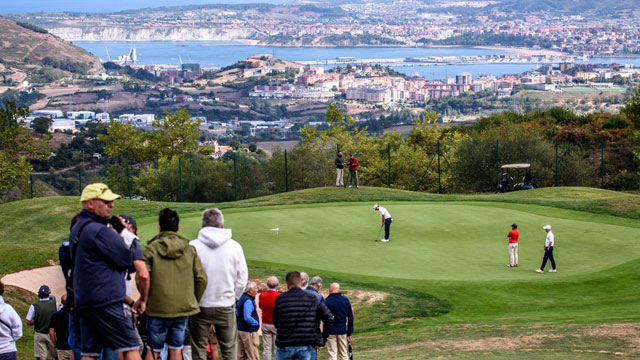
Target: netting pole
(235,178)
(557,170)
(180,178)
(286,172)
(79,182)
(128,181)
(31,184)
(497,163)
(389,165)
(439,171)
(602,163)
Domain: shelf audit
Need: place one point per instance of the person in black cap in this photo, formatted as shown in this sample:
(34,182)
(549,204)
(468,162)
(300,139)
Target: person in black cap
(339,169)
(513,236)
(39,317)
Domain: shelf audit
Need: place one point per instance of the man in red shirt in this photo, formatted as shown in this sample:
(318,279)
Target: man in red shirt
(267,301)
(352,163)
(513,245)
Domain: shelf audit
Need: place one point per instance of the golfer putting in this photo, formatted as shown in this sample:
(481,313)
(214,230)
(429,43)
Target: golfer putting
(386,221)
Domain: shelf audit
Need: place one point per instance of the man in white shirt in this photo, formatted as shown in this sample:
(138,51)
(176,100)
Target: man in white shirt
(39,316)
(386,221)
(10,329)
(224,262)
(548,251)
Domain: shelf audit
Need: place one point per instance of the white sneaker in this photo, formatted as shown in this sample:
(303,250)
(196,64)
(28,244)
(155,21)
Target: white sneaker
(539,271)
(552,270)
(350,186)
(384,240)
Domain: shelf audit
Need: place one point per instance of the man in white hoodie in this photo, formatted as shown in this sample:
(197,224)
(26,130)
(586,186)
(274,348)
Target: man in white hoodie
(223,261)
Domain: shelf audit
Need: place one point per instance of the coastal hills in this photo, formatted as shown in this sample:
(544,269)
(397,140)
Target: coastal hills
(30,50)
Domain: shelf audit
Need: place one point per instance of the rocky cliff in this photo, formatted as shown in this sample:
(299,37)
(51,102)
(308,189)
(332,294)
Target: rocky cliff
(153,34)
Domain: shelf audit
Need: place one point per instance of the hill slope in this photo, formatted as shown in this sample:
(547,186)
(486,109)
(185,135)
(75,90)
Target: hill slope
(23,46)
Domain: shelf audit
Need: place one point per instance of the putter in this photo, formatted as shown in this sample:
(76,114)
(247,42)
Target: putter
(377,236)
(350,351)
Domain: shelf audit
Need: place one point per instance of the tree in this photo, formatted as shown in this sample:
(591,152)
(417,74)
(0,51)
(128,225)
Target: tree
(41,124)
(177,134)
(17,147)
(631,107)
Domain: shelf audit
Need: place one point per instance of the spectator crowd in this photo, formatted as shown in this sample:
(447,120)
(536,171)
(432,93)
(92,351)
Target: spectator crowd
(196,301)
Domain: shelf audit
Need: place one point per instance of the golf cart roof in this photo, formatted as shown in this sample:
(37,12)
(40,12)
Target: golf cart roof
(515,166)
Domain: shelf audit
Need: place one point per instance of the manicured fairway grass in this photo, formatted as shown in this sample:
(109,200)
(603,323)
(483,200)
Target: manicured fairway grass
(442,241)
(450,294)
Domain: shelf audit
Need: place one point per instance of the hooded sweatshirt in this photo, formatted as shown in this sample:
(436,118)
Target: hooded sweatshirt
(177,277)
(223,261)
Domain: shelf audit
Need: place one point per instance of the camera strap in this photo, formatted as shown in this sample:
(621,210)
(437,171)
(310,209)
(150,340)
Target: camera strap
(76,239)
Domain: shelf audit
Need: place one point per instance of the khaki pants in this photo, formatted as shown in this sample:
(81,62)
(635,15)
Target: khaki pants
(64,354)
(268,341)
(248,343)
(513,254)
(339,177)
(42,346)
(337,347)
(223,320)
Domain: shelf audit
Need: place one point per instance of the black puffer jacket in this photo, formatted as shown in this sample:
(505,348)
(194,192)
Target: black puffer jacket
(297,316)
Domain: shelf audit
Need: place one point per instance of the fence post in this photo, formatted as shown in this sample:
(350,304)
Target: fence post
(602,163)
(286,172)
(389,165)
(128,181)
(31,184)
(497,163)
(557,170)
(180,178)
(235,178)
(79,182)
(439,172)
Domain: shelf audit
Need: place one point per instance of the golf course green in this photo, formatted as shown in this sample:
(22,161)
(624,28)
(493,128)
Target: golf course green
(439,289)
(441,241)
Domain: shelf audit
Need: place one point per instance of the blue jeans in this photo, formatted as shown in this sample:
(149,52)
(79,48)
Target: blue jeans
(169,330)
(74,339)
(387,227)
(108,354)
(295,353)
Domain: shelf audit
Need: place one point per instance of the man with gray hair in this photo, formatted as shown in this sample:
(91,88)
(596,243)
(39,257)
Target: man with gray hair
(314,287)
(305,280)
(224,262)
(248,324)
(267,300)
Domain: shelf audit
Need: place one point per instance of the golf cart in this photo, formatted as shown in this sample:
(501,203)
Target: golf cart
(522,172)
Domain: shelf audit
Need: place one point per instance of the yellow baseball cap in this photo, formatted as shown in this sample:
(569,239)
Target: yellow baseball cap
(98,191)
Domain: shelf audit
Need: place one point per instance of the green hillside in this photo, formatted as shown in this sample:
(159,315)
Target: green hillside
(30,48)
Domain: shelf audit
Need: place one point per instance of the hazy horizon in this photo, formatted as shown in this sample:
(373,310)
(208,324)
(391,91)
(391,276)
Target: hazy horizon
(111,6)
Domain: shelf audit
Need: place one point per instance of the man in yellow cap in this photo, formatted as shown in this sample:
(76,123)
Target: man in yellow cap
(100,258)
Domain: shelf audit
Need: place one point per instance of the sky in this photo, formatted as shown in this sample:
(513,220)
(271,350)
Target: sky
(10,6)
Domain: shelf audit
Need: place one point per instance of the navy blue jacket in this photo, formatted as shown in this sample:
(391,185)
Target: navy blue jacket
(341,309)
(243,325)
(297,315)
(101,261)
(64,255)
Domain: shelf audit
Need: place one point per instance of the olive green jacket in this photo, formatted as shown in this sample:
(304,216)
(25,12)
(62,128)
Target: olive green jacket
(177,277)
